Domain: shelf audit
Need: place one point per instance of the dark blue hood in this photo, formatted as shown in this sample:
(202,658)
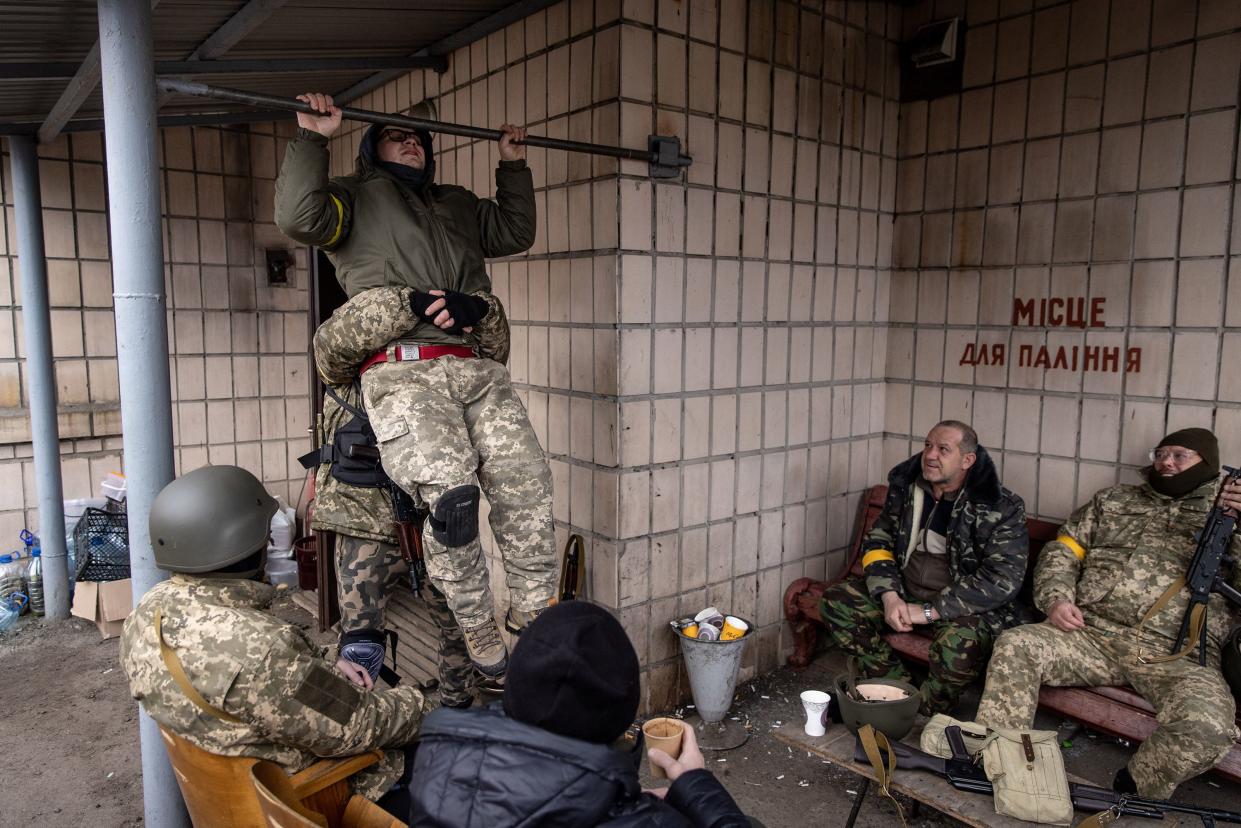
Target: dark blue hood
(481,769)
(368,159)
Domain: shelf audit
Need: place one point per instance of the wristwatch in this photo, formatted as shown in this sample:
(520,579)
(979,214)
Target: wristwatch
(926,610)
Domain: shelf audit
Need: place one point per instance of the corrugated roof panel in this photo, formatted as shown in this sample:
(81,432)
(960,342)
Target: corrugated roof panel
(58,31)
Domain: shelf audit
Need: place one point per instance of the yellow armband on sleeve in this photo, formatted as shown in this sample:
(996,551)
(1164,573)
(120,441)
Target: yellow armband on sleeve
(876,555)
(340,220)
(1075,547)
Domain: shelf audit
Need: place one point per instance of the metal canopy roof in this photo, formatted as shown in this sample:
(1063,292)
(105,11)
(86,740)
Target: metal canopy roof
(257,42)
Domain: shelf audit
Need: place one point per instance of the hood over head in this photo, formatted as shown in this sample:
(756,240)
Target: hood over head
(368,159)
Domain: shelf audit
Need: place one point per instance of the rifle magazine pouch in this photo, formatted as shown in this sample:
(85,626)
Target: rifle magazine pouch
(1026,770)
(934,742)
(355,456)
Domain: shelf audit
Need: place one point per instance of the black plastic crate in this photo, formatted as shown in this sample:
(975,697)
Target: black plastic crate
(101,546)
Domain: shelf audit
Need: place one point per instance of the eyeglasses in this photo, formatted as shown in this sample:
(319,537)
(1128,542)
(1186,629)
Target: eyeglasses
(1178,457)
(397,136)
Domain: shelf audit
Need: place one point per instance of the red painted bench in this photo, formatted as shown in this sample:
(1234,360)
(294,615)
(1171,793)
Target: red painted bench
(1117,711)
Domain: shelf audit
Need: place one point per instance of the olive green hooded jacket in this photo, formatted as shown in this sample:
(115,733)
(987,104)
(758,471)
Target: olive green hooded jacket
(378,232)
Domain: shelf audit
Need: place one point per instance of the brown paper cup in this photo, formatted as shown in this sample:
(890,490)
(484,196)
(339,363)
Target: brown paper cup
(663,733)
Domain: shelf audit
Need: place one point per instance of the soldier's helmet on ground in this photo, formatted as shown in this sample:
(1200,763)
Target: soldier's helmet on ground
(210,519)
(1230,663)
(890,713)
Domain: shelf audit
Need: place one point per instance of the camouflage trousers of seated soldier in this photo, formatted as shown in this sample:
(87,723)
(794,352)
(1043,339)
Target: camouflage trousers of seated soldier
(959,647)
(366,573)
(1195,708)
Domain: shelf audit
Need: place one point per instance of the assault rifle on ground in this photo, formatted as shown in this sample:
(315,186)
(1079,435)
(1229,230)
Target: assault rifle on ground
(1204,576)
(967,775)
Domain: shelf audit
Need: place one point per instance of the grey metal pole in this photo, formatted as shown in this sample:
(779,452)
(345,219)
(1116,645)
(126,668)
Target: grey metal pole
(36,319)
(663,152)
(141,327)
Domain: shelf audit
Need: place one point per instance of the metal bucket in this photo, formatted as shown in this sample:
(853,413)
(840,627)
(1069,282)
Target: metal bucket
(713,667)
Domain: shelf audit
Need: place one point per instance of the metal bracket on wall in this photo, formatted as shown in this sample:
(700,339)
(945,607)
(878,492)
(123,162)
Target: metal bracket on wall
(663,153)
(667,159)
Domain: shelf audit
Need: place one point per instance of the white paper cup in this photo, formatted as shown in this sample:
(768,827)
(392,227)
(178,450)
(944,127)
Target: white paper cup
(815,702)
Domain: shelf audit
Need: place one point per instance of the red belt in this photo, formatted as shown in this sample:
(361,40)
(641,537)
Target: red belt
(408,353)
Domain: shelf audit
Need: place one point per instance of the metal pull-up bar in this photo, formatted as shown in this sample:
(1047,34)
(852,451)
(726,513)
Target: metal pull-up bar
(663,152)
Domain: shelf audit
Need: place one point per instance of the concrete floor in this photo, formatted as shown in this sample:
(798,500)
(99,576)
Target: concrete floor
(813,792)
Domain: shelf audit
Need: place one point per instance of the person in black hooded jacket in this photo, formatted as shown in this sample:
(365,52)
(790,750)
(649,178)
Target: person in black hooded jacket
(552,755)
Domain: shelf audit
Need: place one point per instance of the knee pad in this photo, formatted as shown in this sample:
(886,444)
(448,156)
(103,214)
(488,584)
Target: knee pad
(454,519)
(364,648)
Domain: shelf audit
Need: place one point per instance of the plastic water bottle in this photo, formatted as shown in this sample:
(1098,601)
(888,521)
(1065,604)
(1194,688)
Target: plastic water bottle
(12,580)
(34,581)
(8,615)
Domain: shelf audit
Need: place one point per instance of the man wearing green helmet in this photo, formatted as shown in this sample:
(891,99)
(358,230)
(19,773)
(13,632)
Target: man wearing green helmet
(207,662)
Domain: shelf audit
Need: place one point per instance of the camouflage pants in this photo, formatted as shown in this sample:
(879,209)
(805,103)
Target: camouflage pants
(366,573)
(1193,705)
(451,422)
(959,648)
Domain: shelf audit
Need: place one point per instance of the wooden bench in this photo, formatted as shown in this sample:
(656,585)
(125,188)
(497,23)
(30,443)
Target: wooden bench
(1117,711)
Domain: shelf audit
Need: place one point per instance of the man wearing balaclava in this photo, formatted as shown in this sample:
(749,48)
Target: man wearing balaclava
(446,421)
(1112,587)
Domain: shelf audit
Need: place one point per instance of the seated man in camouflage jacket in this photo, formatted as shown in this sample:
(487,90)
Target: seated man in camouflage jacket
(1112,585)
(948,552)
(208,661)
(367,557)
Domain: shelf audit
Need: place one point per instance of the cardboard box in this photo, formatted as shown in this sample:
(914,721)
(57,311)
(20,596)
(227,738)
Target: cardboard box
(107,603)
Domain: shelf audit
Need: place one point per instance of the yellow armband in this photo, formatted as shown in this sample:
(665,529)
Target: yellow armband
(340,220)
(876,555)
(1075,547)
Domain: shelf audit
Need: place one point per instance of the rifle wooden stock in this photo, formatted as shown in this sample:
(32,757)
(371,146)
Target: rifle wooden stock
(410,540)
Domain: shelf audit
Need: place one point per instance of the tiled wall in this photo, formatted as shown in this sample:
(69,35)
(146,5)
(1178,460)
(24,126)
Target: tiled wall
(702,359)
(238,347)
(1092,156)
(718,366)
(752,303)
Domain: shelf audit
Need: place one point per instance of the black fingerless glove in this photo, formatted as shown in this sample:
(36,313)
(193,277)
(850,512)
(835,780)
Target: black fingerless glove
(419,302)
(465,310)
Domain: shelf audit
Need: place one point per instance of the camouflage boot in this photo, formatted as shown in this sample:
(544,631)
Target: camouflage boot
(486,648)
(517,620)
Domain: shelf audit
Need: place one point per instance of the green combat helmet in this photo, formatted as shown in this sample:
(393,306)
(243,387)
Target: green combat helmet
(1230,663)
(209,519)
(893,717)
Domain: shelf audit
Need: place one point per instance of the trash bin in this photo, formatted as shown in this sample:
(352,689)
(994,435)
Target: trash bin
(713,667)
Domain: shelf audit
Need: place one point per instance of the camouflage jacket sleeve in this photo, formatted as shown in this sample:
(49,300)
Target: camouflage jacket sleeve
(1234,571)
(1059,564)
(372,319)
(879,547)
(491,336)
(360,327)
(310,208)
(507,225)
(1002,564)
(303,701)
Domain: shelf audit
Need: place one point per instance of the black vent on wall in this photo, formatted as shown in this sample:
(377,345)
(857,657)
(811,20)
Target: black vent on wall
(931,61)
